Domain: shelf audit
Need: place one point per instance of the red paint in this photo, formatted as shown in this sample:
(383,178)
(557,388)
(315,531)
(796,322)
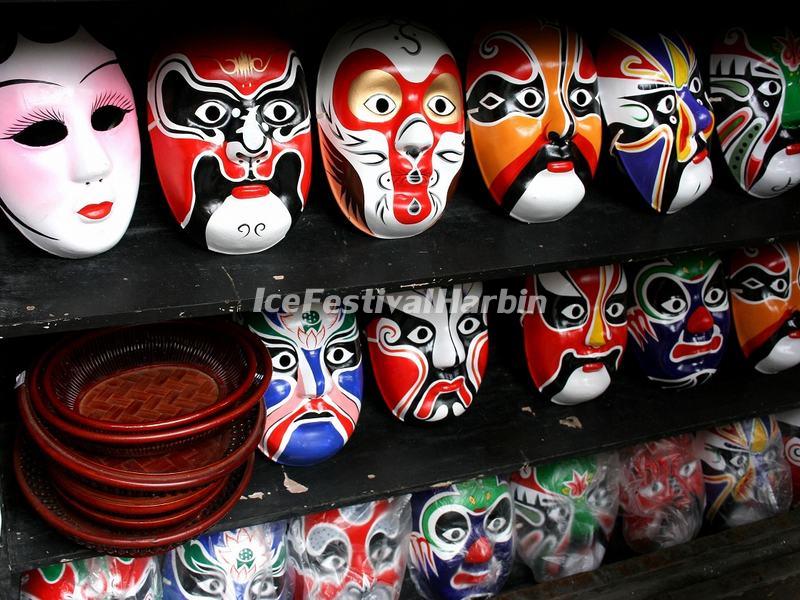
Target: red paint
(700,157)
(96,211)
(794,334)
(560,166)
(464,579)
(793,149)
(479,552)
(683,350)
(592,367)
(700,321)
(246,192)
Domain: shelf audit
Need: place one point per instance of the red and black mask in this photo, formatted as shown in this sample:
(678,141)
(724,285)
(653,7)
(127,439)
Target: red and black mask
(230,126)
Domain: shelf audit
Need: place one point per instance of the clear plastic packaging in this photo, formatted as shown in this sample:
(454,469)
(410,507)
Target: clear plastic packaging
(789,422)
(356,552)
(662,494)
(565,513)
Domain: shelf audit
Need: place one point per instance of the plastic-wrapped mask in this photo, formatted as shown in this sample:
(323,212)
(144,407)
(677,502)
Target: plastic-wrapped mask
(755,88)
(565,513)
(789,422)
(766,304)
(428,350)
(576,334)
(658,115)
(314,398)
(462,539)
(244,564)
(230,126)
(69,145)
(100,578)
(746,476)
(391,122)
(534,117)
(353,553)
(662,495)
(679,319)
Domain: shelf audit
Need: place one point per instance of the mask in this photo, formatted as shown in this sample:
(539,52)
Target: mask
(746,476)
(100,578)
(680,318)
(314,398)
(565,514)
(244,564)
(534,118)
(69,145)
(766,305)
(390,116)
(230,126)
(462,543)
(429,352)
(658,116)
(353,553)
(755,88)
(576,334)
(790,430)
(662,495)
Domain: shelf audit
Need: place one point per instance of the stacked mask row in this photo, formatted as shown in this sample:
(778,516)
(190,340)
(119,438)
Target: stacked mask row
(230,124)
(459,540)
(429,348)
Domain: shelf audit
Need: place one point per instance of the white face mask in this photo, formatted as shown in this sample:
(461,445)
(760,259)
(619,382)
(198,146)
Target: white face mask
(69,145)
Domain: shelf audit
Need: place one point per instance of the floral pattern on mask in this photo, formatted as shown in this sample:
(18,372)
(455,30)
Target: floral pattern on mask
(534,118)
(658,116)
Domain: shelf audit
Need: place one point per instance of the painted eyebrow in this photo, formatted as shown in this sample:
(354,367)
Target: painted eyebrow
(19,81)
(655,87)
(113,61)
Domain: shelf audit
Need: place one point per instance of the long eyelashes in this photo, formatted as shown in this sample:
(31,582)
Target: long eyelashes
(37,116)
(116,99)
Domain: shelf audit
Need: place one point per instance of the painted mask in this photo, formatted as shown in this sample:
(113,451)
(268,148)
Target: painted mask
(100,578)
(680,318)
(391,122)
(462,542)
(789,422)
(69,145)
(576,334)
(755,89)
(534,118)
(565,513)
(230,126)
(658,116)
(766,304)
(428,350)
(662,495)
(746,476)
(244,564)
(352,553)
(314,398)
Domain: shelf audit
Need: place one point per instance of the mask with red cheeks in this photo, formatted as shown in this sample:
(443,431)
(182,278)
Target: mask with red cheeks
(390,115)
(576,334)
(231,131)
(789,422)
(661,494)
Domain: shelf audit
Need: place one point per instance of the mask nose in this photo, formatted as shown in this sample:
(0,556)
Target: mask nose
(414,137)
(253,143)
(700,321)
(90,163)
(479,552)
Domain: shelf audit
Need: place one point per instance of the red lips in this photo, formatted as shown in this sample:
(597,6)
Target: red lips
(464,579)
(245,192)
(700,156)
(794,334)
(793,149)
(592,367)
(560,166)
(96,211)
(682,350)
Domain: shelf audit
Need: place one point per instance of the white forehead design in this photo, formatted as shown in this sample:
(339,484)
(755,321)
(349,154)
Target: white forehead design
(65,63)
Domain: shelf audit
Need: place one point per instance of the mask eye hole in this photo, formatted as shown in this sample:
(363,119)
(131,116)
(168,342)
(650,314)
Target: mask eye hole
(714,297)
(284,361)
(770,88)
(652,490)
(380,104)
(695,85)
(530,98)
(688,469)
(108,117)
(212,113)
(338,355)
(666,106)
(581,98)
(279,111)
(441,106)
(573,312)
(468,326)
(421,334)
(41,133)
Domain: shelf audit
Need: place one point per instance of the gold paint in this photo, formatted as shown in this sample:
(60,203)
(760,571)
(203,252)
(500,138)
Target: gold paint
(367,85)
(472,500)
(444,85)
(597,336)
(244,65)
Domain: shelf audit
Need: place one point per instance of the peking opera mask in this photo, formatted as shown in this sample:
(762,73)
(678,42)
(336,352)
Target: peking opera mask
(249,563)
(662,494)
(231,131)
(314,398)
(789,422)
(766,305)
(658,116)
(99,578)
(755,89)
(746,477)
(353,553)
(69,145)
(461,545)
(680,318)
(534,118)
(391,122)
(576,334)
(565,514)
(428,350)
